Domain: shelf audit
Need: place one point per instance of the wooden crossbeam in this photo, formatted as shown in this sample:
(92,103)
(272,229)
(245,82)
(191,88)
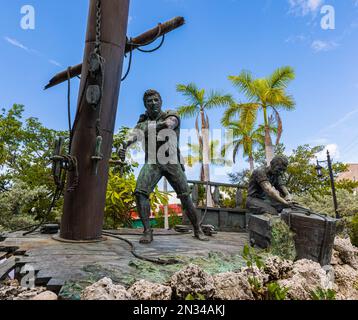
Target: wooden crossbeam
(136,42)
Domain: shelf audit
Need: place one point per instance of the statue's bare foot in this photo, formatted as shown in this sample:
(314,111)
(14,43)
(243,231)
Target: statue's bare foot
(200,235)
(147,237)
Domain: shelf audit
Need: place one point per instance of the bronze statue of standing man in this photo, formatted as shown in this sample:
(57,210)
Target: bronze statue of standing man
(159,131)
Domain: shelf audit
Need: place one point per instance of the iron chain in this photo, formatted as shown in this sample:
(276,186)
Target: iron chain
(98,27)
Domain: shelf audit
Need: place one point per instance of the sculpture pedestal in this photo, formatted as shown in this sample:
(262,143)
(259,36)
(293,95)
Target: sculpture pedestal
(314,234)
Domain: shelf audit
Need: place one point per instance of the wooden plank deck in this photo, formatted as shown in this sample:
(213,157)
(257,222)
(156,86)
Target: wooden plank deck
(58,262)
(6,266)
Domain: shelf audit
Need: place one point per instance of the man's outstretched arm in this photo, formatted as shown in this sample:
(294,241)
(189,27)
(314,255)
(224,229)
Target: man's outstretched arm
(286,193)
(272,192)
(169,123)
(132,138)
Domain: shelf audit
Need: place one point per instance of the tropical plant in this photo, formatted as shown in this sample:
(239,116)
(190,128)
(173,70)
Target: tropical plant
(22,205)
(120,200)
(118,140)
(321,294)
(195,155)
(244,137)
(347,203)
(257,289)
(252,258)
(353,233)
(25,149)
(276,292)
(173,219)
(199,102)
(266,94)
(195,296)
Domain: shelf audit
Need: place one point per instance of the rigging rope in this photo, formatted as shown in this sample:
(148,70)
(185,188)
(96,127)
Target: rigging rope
(134,46)
(138,256)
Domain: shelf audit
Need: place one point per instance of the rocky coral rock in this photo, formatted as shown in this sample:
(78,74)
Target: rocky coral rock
(232,286)
(346,280)
(145,290)
(104,289)
(347,252)
(256,273)
(335,258)
(277,268)
(45,296)
(192,280)
(307,276)
(11,290)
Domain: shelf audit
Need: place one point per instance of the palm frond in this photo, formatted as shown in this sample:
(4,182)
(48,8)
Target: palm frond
(188,111)
(281,77)
(232,111)
(245,83)
(248,115)
(195,148)
(191,93)
(215,99)
(191,161)
(287,102)
(278,98)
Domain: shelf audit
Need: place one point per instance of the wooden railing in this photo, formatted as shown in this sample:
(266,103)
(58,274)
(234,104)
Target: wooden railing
(216,193)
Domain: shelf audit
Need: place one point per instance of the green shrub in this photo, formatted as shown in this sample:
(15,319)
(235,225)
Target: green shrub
(276,292)
(282,240)
(321,294)
(194,296)
(23,205)
(353,232)
(347,203)
(173,219)
(120,200)
(252,258)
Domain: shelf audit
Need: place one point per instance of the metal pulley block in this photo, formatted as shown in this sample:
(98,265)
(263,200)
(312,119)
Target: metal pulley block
(94,63)
(93,95)
(57,159)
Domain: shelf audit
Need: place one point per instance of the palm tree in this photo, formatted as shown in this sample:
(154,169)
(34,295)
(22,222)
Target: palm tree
(266,94)
(245,137)
(196,156)
(198,104)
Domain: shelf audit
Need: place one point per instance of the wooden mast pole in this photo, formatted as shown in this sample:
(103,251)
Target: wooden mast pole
(82,218)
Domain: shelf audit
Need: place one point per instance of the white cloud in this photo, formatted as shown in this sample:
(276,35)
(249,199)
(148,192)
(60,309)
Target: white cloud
(296,39)
(305,7)
(54,62)
(16,43)
(319,45)
(333,151)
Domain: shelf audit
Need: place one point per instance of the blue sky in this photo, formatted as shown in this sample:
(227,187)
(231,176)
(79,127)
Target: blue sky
(220,38)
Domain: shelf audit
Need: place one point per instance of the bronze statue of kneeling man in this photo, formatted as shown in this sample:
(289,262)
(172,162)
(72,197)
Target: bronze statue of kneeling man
(267,192)
(160,131)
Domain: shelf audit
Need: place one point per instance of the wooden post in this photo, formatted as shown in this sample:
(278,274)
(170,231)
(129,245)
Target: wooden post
(84,207)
